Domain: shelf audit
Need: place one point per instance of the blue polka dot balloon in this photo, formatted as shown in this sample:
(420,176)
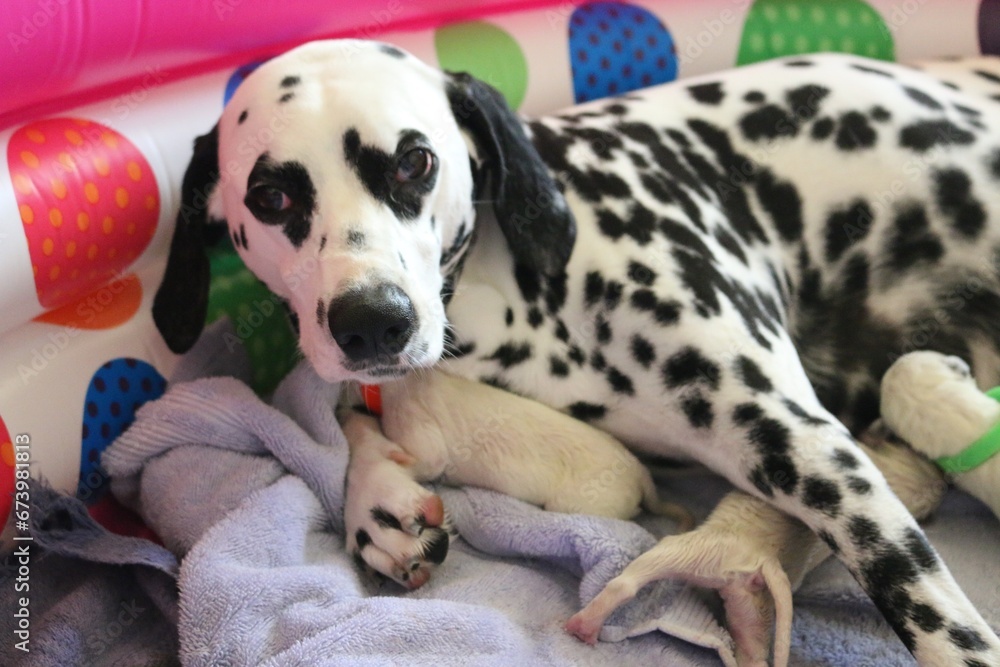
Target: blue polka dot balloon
(116,391)
(617,47)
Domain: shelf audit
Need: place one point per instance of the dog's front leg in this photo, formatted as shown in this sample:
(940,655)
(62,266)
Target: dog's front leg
(394,524)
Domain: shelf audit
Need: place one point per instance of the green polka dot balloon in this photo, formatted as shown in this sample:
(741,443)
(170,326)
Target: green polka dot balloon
(488,53)
(776,28)
(258,317)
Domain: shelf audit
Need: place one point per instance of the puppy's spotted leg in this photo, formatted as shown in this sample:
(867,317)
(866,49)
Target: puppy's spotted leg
(394,525)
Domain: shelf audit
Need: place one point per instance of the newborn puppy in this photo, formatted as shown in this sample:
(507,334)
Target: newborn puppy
(756,557)
(471,434)
(931,401)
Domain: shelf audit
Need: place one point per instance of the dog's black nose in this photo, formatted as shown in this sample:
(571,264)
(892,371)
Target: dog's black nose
(373,322)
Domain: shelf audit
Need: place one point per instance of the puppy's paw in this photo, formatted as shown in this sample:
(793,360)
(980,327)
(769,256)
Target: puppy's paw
(584,626)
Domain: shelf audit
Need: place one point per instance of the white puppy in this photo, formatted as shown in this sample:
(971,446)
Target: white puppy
(501,441)
(756,556)
(931,401)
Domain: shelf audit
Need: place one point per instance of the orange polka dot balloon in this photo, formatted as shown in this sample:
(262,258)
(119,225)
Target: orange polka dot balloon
(88,202)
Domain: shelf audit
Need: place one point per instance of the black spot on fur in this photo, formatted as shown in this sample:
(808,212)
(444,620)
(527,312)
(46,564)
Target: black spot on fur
(707,93)
(799,412)
(751,375)
(921,551)
(864,533)
(320,311)
(689,367)
(613,294)
(922,98)
(911,241)
(822,494)
(593,288)
(535,317)
(587,411)
(967,638)
(925,135)
(989,76)
(562,333)
(845,227)
(597,361)
(242,117)
(926,617)
(508,317)
(698,411)
(880,114)
(747,413)
(286,97)
(729,242)
(805,100)
(855,132)
(845,460)
(754,97)
(641,273)
(822,128)
(604,332)
(860,486)
(291,81)
(620,383)
(642,351)
(243,237)
(576,355)
(383,518)
(639,224)
(356,239)
(768,122)
(994,164)
(799,63)
(953,190)
(558,367)
(390,50)
(872,70)
(511,354)
(781,200)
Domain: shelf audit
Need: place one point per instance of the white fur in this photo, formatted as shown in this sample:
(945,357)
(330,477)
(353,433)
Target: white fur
(514,445)
(931,401)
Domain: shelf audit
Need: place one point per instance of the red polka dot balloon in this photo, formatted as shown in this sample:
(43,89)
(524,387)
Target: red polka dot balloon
(88,202)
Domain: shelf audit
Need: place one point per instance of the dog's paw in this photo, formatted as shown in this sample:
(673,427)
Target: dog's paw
(394,525)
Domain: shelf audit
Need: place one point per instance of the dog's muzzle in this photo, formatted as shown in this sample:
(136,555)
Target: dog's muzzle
(373,323)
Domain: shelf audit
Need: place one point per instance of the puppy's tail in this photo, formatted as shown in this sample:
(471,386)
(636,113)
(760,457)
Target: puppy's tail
(651,501)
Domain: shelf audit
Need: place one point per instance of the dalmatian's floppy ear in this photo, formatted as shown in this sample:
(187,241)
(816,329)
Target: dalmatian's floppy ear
(181,302)
(531,211)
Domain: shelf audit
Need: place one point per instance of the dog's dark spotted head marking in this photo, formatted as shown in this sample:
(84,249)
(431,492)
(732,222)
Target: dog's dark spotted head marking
(291,81)
(400,180)
(282,194)
(243,117)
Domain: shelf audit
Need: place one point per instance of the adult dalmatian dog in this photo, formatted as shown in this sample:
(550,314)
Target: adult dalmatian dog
(720,269)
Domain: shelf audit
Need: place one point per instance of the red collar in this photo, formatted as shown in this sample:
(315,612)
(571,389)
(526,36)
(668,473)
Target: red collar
(371,394)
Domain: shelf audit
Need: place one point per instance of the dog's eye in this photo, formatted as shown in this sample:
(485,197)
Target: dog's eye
(414,165)
(269,198)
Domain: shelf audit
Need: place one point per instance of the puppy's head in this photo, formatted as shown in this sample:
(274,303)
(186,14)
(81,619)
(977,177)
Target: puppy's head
(348,173)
